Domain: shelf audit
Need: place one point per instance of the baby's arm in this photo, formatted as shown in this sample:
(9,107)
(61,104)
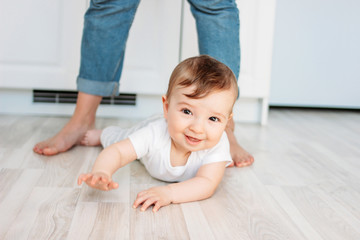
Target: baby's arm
(109,160)
(202,186)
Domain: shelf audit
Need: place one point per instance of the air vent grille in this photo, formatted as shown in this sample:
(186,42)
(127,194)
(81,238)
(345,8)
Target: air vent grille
(54,96)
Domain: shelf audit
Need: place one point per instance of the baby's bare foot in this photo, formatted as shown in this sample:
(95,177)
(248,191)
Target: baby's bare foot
(68,137)
(92,138)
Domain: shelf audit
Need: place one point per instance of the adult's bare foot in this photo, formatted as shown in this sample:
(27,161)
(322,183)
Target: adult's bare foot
(69,136)
(82,120)
(241,158)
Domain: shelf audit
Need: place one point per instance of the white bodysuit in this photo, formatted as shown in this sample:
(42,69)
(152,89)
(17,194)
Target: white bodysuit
(152,144)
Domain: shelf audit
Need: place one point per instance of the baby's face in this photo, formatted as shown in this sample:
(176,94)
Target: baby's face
(197,124)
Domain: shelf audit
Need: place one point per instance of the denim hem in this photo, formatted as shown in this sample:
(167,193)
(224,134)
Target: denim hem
(98,88)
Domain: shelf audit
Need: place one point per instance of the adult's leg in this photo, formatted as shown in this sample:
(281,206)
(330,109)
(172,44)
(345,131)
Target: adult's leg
(218,25)
(106,28)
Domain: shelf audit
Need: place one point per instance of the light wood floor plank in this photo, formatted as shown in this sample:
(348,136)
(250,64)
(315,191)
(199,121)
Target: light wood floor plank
(16,197)
(340,209)
(294,213)
(255,209)
(326,220)
(8,178)
(341,198)
(100,221)
(47,214)
(84,221)
(196,223)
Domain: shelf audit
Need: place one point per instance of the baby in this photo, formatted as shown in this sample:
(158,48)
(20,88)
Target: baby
(187,146)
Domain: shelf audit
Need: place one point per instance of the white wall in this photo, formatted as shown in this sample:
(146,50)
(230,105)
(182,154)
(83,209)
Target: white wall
(316,55)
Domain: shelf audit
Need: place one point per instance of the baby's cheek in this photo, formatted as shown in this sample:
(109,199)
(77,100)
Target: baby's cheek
(175,126)
(215,137)
(173,132)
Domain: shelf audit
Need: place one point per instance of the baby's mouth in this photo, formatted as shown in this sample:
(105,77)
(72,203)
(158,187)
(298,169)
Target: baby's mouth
(192,140)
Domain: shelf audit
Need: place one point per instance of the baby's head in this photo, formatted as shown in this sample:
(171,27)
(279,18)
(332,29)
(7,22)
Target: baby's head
(199,101)
(205,74)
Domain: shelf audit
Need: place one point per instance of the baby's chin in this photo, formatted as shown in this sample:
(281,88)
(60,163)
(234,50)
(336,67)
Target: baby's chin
(201,148)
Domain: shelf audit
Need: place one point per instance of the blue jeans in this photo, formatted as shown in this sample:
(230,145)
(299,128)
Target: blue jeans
(106,29)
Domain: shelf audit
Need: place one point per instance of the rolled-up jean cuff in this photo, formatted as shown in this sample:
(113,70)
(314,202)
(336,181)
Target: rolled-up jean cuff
(97,87)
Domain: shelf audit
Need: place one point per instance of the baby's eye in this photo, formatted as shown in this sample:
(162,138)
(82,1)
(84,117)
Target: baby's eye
(187,111)
(214,119)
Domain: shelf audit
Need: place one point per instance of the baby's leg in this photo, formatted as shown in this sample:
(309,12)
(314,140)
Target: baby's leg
(115,134)
(92,138)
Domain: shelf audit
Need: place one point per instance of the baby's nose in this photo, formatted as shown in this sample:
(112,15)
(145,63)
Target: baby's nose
(197,126)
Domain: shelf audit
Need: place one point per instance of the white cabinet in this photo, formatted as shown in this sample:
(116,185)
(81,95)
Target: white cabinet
(39,43)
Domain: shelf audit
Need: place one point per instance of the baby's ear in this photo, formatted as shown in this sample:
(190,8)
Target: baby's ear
(165,105)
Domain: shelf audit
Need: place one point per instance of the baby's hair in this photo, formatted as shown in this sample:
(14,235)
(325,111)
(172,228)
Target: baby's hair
(204,72)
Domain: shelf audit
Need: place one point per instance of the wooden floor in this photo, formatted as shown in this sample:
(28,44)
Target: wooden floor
(304,184)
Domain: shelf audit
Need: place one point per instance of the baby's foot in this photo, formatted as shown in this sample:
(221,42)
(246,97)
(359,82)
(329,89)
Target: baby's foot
(68,137)
(92,138)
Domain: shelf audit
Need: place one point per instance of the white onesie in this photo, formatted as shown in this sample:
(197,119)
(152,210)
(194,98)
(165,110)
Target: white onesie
(152,144)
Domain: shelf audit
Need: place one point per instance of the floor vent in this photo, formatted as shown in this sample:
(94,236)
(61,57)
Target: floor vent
(48,96)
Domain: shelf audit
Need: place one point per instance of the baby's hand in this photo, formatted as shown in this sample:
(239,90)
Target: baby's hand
(159,196)
(98,180)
